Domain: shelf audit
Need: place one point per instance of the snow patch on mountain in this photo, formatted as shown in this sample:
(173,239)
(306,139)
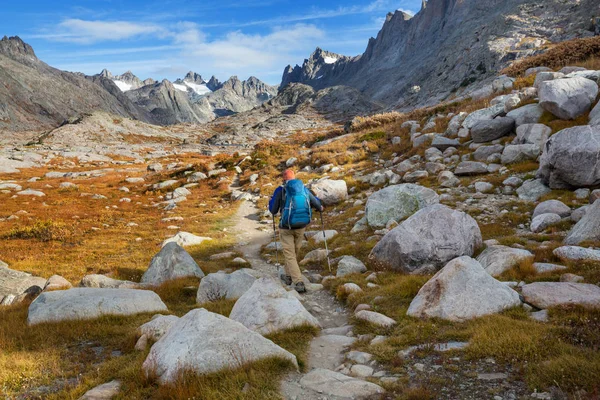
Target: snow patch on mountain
(330,60)
(124,86)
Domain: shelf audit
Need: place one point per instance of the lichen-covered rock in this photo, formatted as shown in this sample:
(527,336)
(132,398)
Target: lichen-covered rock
(427,240)
(460,291)
(397,202)
(571,158)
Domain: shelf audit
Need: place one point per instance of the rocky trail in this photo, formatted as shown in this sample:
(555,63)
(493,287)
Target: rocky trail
(327,351)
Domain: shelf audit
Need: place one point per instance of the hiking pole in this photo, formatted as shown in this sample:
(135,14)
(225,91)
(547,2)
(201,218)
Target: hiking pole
(276,249)
(325,239)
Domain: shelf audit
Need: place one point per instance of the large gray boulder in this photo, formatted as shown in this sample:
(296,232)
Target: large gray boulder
(595,115)
(488,130)
(567,98)
(471,168)
(172,262)
(204,342)
(185,239)
(426,241)
(14,283)
(397,202)
(516,153)
(532,190)
(330,191)
(576,253)
(89,303)
(552,207)
(268,308)
(533,134)
(350,265)
(588,227)
(106,391)
(158,326)
(484,114)
(543,221)
(528,114)
(570,158)
(460,291)
(498,259)
(221,285)
(552,294)
(339,386)
(483,152)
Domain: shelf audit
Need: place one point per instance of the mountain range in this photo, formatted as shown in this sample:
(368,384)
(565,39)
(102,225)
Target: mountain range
(449,49)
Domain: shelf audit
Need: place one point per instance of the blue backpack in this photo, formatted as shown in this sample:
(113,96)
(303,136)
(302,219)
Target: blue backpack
(296,212)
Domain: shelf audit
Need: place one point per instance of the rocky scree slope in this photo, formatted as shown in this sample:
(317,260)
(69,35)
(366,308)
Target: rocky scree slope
(38,97)
(446,46)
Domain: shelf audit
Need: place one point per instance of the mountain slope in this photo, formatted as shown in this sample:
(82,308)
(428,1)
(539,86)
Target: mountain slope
(38,97)
(449,44)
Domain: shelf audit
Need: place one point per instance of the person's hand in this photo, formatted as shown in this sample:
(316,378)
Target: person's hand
(322,209)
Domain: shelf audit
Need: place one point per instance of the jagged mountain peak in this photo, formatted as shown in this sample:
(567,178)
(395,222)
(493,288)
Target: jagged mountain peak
(214,84)
(106,74)
(15,48)
(194,77)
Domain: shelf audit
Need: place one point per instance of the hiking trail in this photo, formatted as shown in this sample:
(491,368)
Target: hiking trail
(326,350)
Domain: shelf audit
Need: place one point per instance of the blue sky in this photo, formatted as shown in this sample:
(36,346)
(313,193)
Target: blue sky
(167,38)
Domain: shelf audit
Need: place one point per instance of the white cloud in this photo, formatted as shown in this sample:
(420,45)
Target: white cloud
(85,32)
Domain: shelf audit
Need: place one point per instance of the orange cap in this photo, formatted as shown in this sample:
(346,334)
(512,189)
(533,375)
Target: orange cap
(288,175)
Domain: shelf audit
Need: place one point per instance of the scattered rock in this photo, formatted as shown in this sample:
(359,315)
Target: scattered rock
(528,114)
(172,262)
(486,131)
(552,294)
(220,285)
(158,326)
(330,191)
(397,202)
(185,239)
(205,342)
(268,308)
(31,192)
(543,221)
(89,303)
(375,318)
(57,282)
(532,190)
(14,283)
(350,265)
(552,207)
(341,386)
(102,281)
(588,227)
(106,391)
(571,278)
(471,168)
(460,291)
(575,253)
(567,98)
(427,240)
(542,268)
(498,259)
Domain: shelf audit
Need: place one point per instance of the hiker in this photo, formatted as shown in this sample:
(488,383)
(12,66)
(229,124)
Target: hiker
(294,201)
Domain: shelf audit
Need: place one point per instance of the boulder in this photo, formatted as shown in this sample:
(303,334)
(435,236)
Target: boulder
(415,176)
(397,202)
(13,283)
(532,190)
(536,134)
(220,285)
(553,207)
(106,391)
(164,184)
(330,191)
(455,124)
(543,221)
(447,179)
(318,237)
(442,143)
(567,98)
(516,153)
(185,239)
(498,259)
(427,240)
(57,282)
(350,265)
(579,213)
(542,268)
(483,187)
(89,303)
(460,291)
(552,294)
(588,228)
(158,326)
(528,114)
(486,131)
(102,281)
(483,115)
(576,253)
(204,342)
(595,115)
(339,386)
(546,76)
(172,262)
(375,318)
(268,308)
(483,152)
(570,158)
(471,168)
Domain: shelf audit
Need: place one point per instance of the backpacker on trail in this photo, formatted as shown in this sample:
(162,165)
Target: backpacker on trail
(295,202)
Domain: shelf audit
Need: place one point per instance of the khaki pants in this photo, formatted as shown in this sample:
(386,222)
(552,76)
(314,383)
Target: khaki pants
(291,240)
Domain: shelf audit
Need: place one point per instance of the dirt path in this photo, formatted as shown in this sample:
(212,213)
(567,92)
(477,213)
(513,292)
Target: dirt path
(326,351)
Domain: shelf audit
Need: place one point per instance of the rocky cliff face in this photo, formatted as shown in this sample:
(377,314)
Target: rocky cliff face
(37,97)
(445,47)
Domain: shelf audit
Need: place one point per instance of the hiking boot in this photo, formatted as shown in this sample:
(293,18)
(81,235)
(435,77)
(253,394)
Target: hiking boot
(299,286)
(286,279)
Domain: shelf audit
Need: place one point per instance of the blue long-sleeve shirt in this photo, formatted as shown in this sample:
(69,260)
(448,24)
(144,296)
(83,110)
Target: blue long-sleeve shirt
(277,201)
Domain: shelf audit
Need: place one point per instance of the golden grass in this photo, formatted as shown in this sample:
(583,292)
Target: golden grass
(583,52)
